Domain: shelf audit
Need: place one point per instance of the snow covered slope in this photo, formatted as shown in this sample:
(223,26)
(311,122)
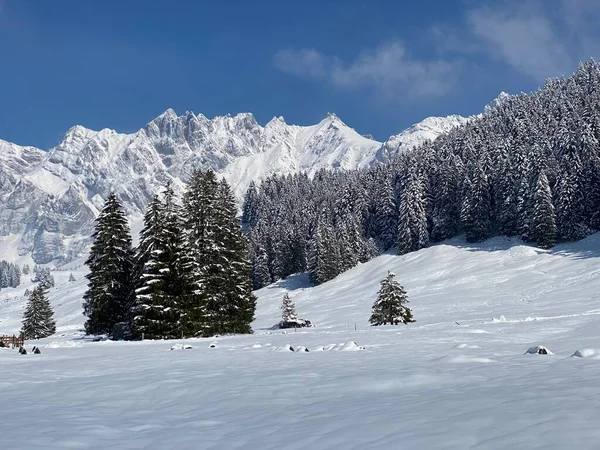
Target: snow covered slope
(457,378)
(50,199)
(417,134)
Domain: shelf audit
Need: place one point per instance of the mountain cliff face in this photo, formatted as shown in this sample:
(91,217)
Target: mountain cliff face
(49,199)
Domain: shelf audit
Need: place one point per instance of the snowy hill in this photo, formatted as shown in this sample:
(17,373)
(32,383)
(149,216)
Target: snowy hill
(50,199)
(457,378)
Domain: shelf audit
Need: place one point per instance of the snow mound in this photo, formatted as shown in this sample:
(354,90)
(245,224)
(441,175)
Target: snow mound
(499,319)
(181,347)
(462,359)
(591,353)
(540,350)
(257,346)
(284,348)
(466,346)
(64,344)
(350,346)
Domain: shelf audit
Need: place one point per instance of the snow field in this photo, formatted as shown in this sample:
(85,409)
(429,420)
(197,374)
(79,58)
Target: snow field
(459,377)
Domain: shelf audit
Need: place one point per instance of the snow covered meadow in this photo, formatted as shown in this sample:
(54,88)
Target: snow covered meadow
(457,378)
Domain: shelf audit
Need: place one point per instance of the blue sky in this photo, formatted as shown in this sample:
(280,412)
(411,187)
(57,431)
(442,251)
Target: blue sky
(379,65)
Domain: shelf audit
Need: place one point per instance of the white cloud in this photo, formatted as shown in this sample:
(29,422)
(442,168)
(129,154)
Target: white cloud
(304,63)
(526,40)
(389,70)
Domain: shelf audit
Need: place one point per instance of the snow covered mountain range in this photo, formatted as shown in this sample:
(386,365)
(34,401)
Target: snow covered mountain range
(49,199)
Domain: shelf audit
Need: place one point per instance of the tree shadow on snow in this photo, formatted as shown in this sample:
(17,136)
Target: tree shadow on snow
(588,247)
(292,283)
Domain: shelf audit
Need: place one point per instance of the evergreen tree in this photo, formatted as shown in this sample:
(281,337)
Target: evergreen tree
(412,221)
(221,298)
(288,309)
(43,276)
(260,269)
(158,305)
(544,218)
(476,211)
(38,319)
(233,298)
(71,278)
(390,306)
(110,289)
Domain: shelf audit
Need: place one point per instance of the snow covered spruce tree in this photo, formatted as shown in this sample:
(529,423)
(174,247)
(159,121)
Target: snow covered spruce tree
(110,282)
(38,319)
(544,217)
(288,310)
(220,298)
(159,257)
(390,306)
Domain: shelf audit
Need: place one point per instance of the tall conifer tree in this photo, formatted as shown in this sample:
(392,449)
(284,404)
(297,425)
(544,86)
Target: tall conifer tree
(109,297)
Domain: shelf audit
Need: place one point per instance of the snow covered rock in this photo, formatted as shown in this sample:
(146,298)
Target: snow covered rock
(301,349)
(181,347)
(540,350)
(284,348)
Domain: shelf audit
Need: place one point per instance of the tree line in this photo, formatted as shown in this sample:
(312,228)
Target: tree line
(530,167)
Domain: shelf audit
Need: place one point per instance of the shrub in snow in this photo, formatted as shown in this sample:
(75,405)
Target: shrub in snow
(36,350)
(22,351)
(390,306)
(71,278)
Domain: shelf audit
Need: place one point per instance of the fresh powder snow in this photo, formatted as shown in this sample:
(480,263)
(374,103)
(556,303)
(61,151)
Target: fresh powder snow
(459,377)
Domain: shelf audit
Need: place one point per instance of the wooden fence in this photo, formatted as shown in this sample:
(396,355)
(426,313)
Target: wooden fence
(12,341)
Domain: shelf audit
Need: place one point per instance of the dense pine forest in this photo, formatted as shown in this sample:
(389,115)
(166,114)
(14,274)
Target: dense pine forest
(530,168)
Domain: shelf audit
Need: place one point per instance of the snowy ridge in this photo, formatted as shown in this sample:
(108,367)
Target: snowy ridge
(426,130)
(51,198)
(457,378)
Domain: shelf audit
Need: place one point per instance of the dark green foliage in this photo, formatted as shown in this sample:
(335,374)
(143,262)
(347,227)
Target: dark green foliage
(220,298)
(109,297)
(390,306)
(38,319)
(544,218)
(159,256)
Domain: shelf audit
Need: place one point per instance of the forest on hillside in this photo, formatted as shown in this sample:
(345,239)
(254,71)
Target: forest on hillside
(530,168)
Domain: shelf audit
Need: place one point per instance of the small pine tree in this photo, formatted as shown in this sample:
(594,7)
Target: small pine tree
(390,306)
(38,319)
(288,309)
(71,278)
(26,269)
